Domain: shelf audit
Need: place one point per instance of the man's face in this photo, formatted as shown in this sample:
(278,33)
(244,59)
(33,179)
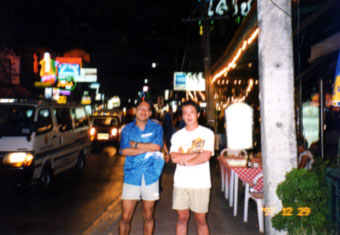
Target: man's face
(300,148)
(190,115)
(143,111)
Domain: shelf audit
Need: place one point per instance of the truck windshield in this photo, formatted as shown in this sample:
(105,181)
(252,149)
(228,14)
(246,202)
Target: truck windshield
(16,120)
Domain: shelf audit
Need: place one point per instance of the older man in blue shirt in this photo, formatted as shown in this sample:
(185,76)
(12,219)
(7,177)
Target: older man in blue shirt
(140,141)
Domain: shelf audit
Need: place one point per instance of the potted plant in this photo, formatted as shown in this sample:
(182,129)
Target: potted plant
(304,201)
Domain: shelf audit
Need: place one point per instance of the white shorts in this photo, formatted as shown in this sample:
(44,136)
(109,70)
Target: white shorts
(144,192)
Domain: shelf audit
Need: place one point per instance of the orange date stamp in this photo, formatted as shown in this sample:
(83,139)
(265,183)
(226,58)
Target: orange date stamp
(287,211)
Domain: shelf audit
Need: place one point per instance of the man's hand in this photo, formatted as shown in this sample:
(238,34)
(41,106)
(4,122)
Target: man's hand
(132,143)
(166,157)
(200,158)
(147,147)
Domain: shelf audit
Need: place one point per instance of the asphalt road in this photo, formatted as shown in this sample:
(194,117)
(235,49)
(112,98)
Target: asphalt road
(71,205)
(90,205)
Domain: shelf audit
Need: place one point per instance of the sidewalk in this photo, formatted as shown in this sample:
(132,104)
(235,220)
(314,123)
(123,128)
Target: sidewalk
(220,217)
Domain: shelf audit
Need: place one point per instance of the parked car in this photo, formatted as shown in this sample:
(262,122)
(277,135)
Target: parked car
(40,139)
(105,129)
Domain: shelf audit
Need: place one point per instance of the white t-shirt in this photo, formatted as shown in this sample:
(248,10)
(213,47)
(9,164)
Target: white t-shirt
(311,159)
(184,141)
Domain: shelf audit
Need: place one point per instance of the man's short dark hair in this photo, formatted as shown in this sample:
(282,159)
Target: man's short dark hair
(190,102)
(301,141)
(146,101)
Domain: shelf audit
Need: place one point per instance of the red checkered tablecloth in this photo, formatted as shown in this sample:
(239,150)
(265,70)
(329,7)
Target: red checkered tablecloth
(248,175)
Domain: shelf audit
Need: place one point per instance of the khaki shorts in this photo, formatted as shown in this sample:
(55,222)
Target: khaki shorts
(195,199)
(144,192)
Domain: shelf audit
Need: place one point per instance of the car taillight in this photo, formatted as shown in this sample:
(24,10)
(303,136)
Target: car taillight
(92,131)
(114,131)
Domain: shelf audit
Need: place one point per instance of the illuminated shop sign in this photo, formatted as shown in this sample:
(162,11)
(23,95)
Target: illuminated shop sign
(189,81)
(69,60)
(48,93)
(68,70)
(235,7)
(86,100)
(114,102)
(310,121)
(336,89)
(62,99)
(62,68)
(239,123)
(87,75)
(55,93)
(42,84)
(94,85)
(64,92)
(47,70)
(66,83)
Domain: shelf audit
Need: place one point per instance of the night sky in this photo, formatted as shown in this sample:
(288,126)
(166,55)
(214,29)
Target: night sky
(122,37)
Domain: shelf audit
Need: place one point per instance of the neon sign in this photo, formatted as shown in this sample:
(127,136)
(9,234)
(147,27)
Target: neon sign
(68,70)
(66,83)
(240,7)
(336,89)
(47,70)
(69,60)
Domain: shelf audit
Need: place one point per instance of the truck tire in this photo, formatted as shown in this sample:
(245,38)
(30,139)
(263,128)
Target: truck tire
(45,178)
(80,165)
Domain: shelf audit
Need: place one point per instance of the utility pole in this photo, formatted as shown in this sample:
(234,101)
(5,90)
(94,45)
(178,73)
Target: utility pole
(209,91)
(278,136)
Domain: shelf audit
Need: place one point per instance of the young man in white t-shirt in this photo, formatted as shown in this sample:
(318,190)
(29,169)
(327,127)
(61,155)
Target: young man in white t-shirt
(191,148)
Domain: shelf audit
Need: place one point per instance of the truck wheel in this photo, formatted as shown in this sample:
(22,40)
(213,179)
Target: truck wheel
(79,167)
(45,178)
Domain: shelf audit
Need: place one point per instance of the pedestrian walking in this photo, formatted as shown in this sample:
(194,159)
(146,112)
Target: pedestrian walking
(191,149)
(141,142)
(168,126)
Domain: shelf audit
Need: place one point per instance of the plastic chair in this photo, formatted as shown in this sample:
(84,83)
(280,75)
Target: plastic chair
(235,152)
(256,196)
(224,180)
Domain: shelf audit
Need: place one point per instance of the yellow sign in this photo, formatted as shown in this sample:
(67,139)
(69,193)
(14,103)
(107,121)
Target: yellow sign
(66,84)
(336,89)
(62,99)
(48,70)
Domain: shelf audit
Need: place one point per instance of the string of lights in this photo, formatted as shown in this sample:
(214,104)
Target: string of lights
(233,62)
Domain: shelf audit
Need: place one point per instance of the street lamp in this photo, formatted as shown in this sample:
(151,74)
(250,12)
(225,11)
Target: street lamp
(145,89)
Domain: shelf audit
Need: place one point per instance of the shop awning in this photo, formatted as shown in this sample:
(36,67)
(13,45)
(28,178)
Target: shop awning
(325,47)
(244,32)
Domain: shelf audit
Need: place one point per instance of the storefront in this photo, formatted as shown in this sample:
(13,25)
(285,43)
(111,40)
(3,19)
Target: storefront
(316,42)
(235,76)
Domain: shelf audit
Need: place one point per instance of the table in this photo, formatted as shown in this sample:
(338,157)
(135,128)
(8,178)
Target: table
(246,175)
(233,174)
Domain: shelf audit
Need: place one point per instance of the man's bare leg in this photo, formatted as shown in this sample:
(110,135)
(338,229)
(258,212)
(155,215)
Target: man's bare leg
(201,222)
(149,217)
(182,222)
(128,209)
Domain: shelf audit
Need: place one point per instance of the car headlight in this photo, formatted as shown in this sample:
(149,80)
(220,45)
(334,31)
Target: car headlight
(18,159)
(92,131)
(114,131)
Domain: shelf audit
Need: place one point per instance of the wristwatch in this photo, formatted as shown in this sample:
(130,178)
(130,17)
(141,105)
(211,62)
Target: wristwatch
(135,146)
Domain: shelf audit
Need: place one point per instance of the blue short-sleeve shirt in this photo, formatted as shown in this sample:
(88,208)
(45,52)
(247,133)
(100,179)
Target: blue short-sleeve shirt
(136,166)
